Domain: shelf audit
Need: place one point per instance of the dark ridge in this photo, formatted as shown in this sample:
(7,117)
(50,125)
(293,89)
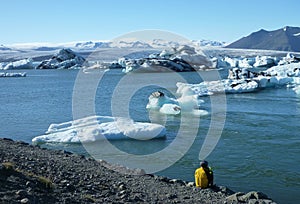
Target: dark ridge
(284,39)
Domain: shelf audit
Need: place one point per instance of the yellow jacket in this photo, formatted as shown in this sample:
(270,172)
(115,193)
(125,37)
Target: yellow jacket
(201,179)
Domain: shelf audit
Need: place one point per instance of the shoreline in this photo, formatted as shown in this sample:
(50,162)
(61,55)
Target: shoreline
(31,174)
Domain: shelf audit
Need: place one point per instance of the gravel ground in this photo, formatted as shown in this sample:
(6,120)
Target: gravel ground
(30,174)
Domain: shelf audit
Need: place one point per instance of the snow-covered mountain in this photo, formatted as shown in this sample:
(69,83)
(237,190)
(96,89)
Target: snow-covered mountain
(155,43)
(92,45)
(89,45)
(2,47)
(209,43)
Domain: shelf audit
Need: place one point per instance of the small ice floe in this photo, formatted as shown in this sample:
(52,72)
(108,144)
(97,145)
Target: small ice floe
(170,106)
(13,74)
(297,89)
(96,128)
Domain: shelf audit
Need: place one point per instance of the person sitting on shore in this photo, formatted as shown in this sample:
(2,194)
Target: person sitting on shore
(204,177)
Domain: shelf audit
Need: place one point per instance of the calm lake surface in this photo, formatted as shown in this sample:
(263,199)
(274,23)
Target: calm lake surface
(258,150)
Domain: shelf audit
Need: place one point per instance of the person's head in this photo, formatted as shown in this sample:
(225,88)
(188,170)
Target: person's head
(204,163)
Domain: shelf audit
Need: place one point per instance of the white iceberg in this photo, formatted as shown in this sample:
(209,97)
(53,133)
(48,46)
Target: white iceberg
(288,59)
(258,61)
(170,109)
(264,61)
(221,86)
(181,59)
(242,80)
(20,64)
(159,101)
(246,63)
(64,59)
(96,128)
(297,89)
(287,70)
(231,61)
(187,103)
(218,62)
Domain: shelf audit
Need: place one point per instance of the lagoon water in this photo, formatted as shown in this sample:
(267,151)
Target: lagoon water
(258,150)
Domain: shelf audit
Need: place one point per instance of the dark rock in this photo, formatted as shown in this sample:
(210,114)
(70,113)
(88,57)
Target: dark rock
(164,179)
(253,195)
(234,197)
(171,196)
(7,139)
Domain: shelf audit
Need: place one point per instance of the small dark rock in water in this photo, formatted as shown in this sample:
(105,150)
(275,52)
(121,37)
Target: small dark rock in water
(30,174)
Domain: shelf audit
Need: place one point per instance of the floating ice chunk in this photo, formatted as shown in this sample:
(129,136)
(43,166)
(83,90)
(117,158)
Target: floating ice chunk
(64,59)
(288,70)
(296,80)
(245,63)
(158,99)
(200,112)
(263,81)
(20,64)
(218,62)
(13,74)
(297,89)
(95,128)
(240,86)
(264,61)
(187,103)
(170,109)
(221,86)
(231,62)
(288,59)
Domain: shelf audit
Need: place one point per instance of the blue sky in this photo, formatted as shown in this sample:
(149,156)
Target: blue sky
(65,20)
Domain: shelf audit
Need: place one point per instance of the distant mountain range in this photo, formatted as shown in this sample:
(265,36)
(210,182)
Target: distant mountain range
(155,43)
(90,45)
(210,43)
(284,39)
(2,47)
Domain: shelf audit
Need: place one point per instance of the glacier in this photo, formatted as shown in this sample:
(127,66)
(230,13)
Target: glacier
(94,128)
